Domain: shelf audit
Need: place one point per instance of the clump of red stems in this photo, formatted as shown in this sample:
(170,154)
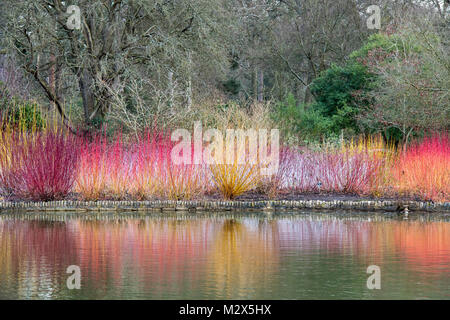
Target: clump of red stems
(329,171)
(423,170)
(42,166)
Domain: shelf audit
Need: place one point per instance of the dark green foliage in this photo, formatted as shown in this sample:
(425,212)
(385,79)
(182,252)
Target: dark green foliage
(337,92)
(341,92)
(297,119)
(288,114)
(232,86)
(377,41)
(383,44)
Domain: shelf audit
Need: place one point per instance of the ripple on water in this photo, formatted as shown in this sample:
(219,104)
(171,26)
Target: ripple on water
(308,255)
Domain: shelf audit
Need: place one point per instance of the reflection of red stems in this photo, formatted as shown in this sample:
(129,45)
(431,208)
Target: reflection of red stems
(165,247)
(156,253)
(425,247)
(37,248)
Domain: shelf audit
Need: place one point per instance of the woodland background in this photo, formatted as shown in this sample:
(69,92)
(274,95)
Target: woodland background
(309,67)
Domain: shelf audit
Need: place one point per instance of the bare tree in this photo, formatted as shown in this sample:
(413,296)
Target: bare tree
(118,41)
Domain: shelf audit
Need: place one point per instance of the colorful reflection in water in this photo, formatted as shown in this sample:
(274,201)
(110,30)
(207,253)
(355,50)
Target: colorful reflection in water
(223,256)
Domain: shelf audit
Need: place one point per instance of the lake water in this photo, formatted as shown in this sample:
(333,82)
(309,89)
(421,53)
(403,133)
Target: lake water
(307,255)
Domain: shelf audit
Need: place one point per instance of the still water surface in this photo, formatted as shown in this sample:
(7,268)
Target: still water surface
(224,256)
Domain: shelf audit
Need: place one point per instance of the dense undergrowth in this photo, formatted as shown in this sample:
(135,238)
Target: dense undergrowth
(51,164)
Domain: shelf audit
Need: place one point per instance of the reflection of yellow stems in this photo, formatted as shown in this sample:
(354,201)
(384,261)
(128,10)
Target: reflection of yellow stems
(243,254)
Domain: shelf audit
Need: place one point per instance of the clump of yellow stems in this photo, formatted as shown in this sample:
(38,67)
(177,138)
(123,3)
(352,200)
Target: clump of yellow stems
(378,149)
(235,177)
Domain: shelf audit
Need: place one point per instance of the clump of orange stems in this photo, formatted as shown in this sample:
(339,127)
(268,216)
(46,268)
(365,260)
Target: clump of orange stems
(183,182)
(92,173)
(139,169)
(119,169)
(147,167)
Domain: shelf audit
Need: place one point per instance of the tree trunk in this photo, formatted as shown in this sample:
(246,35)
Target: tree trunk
(255,83)
(261,86)
(52,82)
(406,139)
(189,84)
(85,83)
(189,93)
(171,90)
(308,95)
